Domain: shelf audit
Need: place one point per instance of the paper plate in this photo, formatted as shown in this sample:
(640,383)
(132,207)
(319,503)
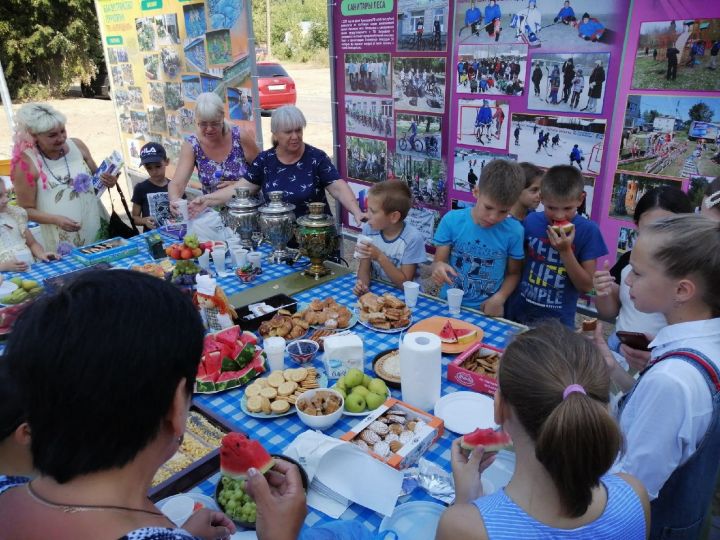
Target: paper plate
(353,318)
(199,498)
(366,324)
(498,475)
(6,287)
(417,520)
(463,412)
(435,324)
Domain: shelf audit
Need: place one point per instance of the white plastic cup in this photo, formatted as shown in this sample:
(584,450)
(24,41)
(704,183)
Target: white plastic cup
(218,257)
(241,257)
(454,299)
(182,206)
(178,509)
(274,348)
(25,256)
(412,290)
(204,260)
(255,258)
(361,239)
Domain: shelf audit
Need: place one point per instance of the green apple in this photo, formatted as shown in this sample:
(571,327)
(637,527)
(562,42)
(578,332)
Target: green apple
(339,391)
(341,383)
(17,281)
(359,389)
(355,403)
(353,378)
(28,284)
(378,386)
(374,400)
(366,381)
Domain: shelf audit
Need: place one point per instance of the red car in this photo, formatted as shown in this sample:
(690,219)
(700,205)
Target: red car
(275,86)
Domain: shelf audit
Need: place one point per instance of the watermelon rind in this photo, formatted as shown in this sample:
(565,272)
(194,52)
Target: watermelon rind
(245,375)
(465,335)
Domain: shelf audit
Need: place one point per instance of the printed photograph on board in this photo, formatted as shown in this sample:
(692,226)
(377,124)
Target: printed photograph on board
(145,30)
(173,125)
(139,123)
(422,26)
(418,135)
(482,122)
(136,97)
(425,178)
(491,69)
(366,159)
(678,55)
(369,116)
(166,29)
(578,25)
(419,84)
(191,87)
(469,164)
(195,59)
(219,47)
(224,13)
(170,62)
(195,23)
(152,66)
(367,73)
(558,140)
(156,117)
(173,96)
(627,236)
(240,103)
(671,136)
(568,82)
(187,120)
(628,189)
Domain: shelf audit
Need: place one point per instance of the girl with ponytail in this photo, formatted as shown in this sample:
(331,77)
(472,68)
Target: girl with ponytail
(553,401)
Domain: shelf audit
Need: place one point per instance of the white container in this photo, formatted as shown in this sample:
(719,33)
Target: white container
(420,369)
(218,257)
(342,353)
(255,258)
(412,290)
(319,422)
(361,239)
(204,260)
(274,348)
(454,300)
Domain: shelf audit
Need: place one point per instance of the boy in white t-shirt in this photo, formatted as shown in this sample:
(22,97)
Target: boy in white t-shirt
(396,247)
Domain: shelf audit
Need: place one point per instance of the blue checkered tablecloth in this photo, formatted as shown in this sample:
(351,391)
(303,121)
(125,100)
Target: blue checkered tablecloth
(231,284)
(276,434)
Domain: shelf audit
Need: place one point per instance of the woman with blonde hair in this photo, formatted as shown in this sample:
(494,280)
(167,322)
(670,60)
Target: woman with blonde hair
(52,178)
(219,151)
(301,171)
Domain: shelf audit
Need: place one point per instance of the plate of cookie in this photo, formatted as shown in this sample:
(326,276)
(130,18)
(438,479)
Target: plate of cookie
(385,313)
(327,314)
(274,396)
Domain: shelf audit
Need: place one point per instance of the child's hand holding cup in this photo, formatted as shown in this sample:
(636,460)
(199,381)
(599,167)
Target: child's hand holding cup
(360,251)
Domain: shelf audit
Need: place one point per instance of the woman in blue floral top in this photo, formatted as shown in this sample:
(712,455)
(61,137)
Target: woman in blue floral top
(301,171)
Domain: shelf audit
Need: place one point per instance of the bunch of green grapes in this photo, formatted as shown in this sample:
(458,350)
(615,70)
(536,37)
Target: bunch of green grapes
(236,503)
(184,273)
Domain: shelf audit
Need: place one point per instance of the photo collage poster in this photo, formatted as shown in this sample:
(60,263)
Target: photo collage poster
(533,81)
(161,55)
(669,103)
(392,87)
(430,91)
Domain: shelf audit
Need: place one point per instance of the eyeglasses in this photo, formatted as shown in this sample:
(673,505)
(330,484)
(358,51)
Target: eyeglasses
(205,125)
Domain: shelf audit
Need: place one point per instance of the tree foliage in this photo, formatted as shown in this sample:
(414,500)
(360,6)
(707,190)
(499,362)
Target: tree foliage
(46,44)
(285,19)
(701,112)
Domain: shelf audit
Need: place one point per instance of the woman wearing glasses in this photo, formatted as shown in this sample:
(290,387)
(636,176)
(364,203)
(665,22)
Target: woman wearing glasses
(220,151)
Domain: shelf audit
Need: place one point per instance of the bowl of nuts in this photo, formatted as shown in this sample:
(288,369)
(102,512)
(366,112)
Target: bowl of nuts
(320,408)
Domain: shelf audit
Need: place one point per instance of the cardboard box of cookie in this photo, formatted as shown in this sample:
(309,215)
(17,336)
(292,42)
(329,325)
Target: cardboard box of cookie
(476,368)
(396,433)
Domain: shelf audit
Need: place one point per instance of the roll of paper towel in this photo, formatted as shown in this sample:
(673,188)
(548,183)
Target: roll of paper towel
(420,369)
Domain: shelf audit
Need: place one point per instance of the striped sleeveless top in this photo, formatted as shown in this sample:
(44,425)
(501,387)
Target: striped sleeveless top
(623,517)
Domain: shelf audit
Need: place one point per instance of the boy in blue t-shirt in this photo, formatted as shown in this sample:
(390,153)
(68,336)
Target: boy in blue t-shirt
(559,264)
(396,247)
(479,249)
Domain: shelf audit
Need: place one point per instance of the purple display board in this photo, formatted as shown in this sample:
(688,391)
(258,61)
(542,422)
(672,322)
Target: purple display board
(667,115)
(427,90)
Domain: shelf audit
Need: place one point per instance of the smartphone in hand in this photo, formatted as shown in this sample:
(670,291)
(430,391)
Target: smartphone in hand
(635,340)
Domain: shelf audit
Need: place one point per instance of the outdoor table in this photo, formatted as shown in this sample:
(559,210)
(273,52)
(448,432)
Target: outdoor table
(277,433)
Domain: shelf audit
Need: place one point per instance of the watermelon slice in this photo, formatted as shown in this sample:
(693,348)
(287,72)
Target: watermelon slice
(248,338)
(228,336)
(489,439)
(219,381)
(465,335)
(562,225)
(447,334)
(238,454)
(213,363)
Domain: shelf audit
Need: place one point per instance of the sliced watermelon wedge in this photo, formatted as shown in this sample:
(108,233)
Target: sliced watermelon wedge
(238,454)
(489,439)
(248,338)
(562,225)
(229,335)
(465,335)
(447,334)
